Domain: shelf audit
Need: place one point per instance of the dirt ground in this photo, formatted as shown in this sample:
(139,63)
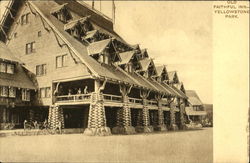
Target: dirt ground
(174,147)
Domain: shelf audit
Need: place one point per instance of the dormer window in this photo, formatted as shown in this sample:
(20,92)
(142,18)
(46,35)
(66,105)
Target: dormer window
(61,13)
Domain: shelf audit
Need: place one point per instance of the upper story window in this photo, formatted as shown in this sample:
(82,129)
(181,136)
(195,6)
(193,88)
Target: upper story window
(25,19)
(39,33)
(41,70)
(45,92)
(25,95)
(12,92)
(7,68)
(4,91)
(129,67)
(103,58)
(30,47)
(61,61)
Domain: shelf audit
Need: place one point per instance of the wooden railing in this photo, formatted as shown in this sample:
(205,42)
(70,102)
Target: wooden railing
(73,98)
(106,97)
(113,98)
(135,100)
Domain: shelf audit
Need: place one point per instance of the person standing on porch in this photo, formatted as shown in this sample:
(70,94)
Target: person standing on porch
(86,90)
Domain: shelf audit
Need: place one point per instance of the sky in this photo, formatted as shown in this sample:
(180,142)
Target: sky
(177,34)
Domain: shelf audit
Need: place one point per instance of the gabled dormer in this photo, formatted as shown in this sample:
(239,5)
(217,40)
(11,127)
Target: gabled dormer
(128,61)
(95,35)
(78,28)
(104,51)
(143,54)
(180,86)
(121,47)
(147,67)
(162,74)
(61,13)
(173,77)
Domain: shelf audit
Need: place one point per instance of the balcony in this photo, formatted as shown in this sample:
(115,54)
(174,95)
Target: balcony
(109,100)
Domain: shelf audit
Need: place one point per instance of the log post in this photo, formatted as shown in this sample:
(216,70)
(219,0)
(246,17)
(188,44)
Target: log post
(97,125)
(182,112)
(124,125)
(145,113)
(173,126)
(55,116)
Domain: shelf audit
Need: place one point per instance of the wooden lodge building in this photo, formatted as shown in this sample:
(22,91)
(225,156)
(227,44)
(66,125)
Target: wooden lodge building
(68,65)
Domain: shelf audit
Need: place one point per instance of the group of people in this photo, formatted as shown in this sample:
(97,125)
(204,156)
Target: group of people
(79,91)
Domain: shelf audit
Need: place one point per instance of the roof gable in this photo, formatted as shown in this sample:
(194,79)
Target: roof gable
(6,54)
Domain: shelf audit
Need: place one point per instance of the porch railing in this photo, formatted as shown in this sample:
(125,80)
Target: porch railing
(135,100)
(152,102)
(113,98)
(73,98)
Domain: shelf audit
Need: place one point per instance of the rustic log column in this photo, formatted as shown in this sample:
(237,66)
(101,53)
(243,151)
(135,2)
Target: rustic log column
(145,114)
(55,116)
(173,126)
(124,125)
(97,125)
(182,111)
(161,126)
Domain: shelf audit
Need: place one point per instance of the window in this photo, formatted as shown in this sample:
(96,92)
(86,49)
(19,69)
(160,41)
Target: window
(4,91)
(3,67)
(25,19)
(45,92)
(12,92)
(10,68)
(30,47)
(25,95)
(7,68)
(41,70)
(61,61)
(39,33)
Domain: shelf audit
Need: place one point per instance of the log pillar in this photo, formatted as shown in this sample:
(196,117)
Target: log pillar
(123,125)
(144,115)
(55,116)
(182,112)
(173,126)
(97,125)
(161,126)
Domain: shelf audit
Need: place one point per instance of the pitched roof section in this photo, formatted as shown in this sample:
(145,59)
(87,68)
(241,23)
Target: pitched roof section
(6,54)
(73,23)
(90,34)
(159,69)
(98,47)
(171,75)
(145,63)
(58,8)
(193,97)
(19,79)
(126,57)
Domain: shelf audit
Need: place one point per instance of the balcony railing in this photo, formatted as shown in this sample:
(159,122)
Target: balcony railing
(73,98)
(106,98)
(135,100)
(112,98)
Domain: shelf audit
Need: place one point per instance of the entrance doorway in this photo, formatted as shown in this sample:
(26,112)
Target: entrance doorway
(111,115)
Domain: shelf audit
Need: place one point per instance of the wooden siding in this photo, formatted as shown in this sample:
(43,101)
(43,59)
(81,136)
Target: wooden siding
(46,50)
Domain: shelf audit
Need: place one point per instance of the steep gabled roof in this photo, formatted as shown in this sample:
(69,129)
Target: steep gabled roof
(126,57)
(19,79)
(172,75)
(98,47)
(90,34)
(58,8)
(73,23)
(193,97)
(145,63)
(159,69)
(6,54)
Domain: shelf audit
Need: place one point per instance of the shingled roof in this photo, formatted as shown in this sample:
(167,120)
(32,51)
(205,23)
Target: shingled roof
(98,47)
(126,56)
(6,54)
(193,97)
(20,79)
